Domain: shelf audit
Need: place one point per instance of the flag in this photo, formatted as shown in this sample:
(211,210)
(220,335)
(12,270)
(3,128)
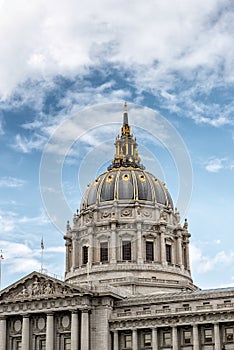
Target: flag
(42,244)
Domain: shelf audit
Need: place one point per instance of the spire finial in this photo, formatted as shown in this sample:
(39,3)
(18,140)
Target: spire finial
(126,147)
(125,115)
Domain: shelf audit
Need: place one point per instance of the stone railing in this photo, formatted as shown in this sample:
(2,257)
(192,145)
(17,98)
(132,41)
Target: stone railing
(152,311)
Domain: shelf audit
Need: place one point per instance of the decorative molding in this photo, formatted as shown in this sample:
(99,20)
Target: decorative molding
(126,212)
(38,287)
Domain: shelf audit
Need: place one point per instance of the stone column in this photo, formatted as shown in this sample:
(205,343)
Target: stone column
(174,338)
(179,250)
(74,254)
(195,337)
(25,333)
(154,339)
(139,244)
(85,329)
(116,340)
(74,330)
(216,336)
(187,256)
(91,248)
(49,332)
(68,247)
(134,339)
(163,248)
(3,333)
(113,247)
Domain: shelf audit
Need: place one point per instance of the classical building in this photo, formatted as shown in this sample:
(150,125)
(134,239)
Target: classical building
(128,283)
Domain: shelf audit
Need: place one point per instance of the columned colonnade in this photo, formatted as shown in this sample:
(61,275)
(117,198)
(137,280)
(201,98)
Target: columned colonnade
(50,331)
(175,340)
(74,258)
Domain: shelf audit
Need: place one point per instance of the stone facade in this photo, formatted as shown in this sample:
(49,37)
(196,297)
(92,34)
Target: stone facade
(128,283)
(67,317)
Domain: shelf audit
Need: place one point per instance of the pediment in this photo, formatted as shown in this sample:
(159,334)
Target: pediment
(39,286)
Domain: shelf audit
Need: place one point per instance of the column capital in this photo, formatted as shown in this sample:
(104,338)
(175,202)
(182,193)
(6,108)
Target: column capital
(50,313)
(85,310)
(74,311)
(25,315)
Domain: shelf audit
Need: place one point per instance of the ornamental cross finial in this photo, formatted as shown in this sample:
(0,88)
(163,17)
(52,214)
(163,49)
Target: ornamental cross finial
(125,106)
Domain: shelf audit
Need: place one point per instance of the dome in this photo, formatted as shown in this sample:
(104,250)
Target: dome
(127,233)
(126,179)
(126,185)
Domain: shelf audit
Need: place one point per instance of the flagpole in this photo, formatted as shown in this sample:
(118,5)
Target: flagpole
(42,254)
(1,258)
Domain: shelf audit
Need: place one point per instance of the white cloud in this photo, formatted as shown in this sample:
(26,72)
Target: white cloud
(203,263)
(56,38)
(11,182)
(15,225)
(21,258)
(7,224)
(56,249)
(27,145)
(216,122)
(214,165)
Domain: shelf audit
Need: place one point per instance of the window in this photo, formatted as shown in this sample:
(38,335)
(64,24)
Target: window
(103,251)
(168,253)
(149,247)
(147,339)
(229,334)
(187,337)
(67,344)
(42,344)
(167,339)
(128,341)
(85,255)
(126,250)
(186,307)
(208,335)
(18,345)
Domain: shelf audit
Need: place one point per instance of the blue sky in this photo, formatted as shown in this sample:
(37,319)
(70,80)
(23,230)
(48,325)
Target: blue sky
(66,68)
